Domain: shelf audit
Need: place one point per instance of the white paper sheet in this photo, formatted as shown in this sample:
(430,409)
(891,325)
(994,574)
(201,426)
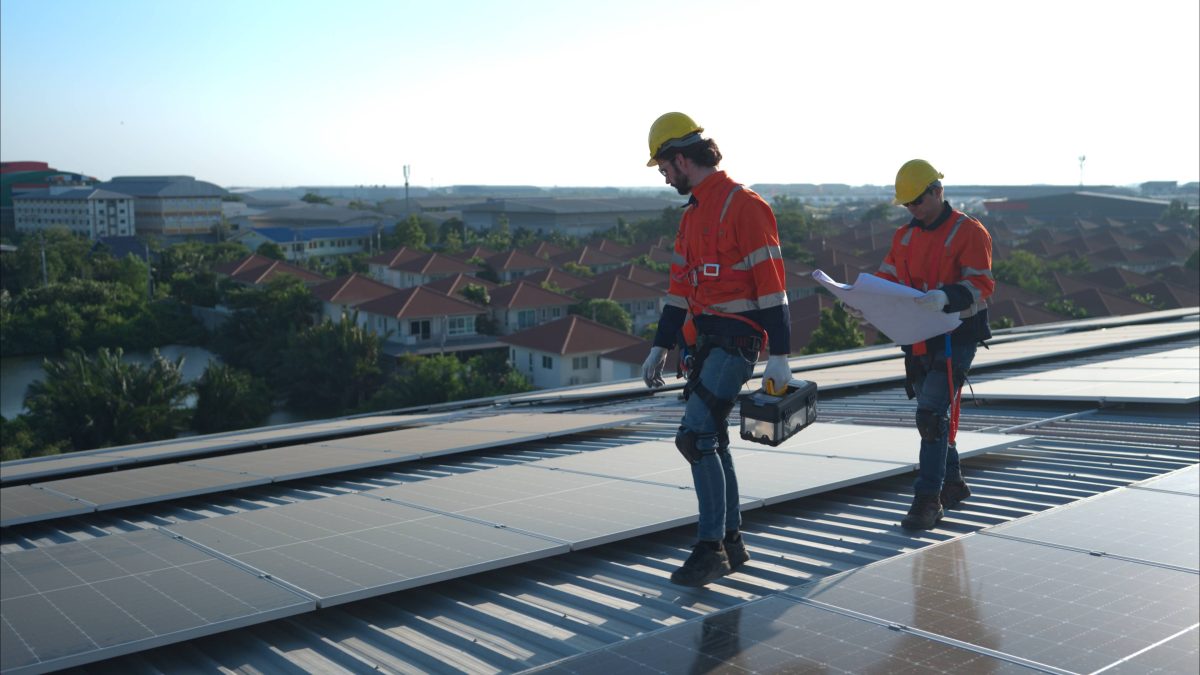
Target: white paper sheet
(889,307)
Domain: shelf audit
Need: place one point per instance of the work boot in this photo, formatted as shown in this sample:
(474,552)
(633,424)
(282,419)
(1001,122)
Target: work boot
(926,511)
(954,492)
(707,562)
(735,549)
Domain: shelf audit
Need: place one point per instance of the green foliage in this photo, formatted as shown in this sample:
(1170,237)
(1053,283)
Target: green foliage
(331,368)
(18,440)
(409,233)
(93,402)
(193,257)
(228,399)
(257,334)
(425,380)
(82,314)
(269,249)
(499,238)
(552,287)
(486,271)
(524,238)
(645,261)
(1178,211)
(605,312)
(130,271)
(1148,299)
(314,198)
(1023,269)
(880,213)
(452,242)
(577,269)
(476,294)
(836,331)
(1002,322)
(1067,308)
(67,257)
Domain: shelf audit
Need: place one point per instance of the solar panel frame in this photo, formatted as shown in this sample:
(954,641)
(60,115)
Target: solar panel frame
(778,634)
(1182,481)
(22,504)
(146,485)
(292,462)
(81,602)
(1159,528)
(1044,604)
(375,546)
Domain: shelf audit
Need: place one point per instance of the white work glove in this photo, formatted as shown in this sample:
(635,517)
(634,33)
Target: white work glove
(853,311)
(652,369)
(933,300)
(778,372)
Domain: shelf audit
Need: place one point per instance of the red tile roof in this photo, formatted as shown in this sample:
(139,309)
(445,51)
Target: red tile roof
(395,256)
(559,278)
(618,289)
(453,285)
(571,335)
(517,260)
(641,275)
(352,290)
(434,263)
(257,269)
(522,294)
(419,301)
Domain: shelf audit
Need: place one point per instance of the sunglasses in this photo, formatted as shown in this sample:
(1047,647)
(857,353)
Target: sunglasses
(920,198)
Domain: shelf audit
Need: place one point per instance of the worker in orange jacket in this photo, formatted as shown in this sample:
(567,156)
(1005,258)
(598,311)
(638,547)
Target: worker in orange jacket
(947,255)
(727,271)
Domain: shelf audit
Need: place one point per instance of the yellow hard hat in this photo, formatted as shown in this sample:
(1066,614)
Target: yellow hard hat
(912,179)
(673,129)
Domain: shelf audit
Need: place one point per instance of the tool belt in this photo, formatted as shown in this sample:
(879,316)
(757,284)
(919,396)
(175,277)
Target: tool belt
(728,342)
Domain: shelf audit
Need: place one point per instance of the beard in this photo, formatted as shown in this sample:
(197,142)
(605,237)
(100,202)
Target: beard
(681,184)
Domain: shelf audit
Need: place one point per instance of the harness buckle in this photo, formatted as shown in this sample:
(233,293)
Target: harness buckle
(711,269)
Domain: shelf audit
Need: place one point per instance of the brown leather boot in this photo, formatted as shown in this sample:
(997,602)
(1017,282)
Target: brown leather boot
(954,492)
(925,512)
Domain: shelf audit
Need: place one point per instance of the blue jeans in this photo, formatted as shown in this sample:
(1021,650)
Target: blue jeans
(939,459)
(723,374)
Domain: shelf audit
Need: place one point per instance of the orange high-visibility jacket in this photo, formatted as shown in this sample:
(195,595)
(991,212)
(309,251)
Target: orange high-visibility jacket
(727,261)
(953,254)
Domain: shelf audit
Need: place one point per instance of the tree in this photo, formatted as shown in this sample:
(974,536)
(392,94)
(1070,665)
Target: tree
(94,402)
(409,232)
(476,294)
(605,312)
(331,368)
(499,238)
(67,257)
(264,319)
(425,380)
(836,331)
(228,399)
(269,249)
(577,269)
(314,198)
(1023,269)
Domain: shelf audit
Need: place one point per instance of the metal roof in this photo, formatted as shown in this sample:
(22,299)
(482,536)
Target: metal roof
(536,613)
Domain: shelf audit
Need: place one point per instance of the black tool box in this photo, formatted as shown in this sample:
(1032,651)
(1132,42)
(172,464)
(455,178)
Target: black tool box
(771,420)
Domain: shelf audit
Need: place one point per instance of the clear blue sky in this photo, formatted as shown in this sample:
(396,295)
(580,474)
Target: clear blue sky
(287,92)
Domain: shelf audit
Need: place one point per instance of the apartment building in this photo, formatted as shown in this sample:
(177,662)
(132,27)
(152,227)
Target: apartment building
(86,211)
(171,205)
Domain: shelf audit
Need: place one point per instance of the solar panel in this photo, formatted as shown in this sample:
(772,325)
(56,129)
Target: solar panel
(1185,481)
(149,484)
(1163,377)
(1145,525)
(1047,605)
(1180,654)
(431,442)
(26,504)
(350,547)
(43,467)
(292,462)
(578,509)
(76,603)
(779,635)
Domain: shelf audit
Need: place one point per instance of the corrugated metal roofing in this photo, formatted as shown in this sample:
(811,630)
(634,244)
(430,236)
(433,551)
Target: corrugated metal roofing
(533,614)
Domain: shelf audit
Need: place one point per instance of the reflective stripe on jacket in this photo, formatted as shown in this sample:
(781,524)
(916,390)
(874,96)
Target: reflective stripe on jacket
(953,254)
(727,259)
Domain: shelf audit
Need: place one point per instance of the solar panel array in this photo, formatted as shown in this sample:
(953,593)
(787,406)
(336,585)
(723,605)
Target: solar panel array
(1030,593)
(143,485)
(1165,377)
(339,549)
(128,455)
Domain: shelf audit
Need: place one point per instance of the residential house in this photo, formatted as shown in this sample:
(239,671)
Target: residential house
(590,257)
(418,270)
(1013,313)
(642,303)
(564,352)
(521,305)
(1165,295)
(545,249)
(625,363)
(344,294)
(422,320)
(380,266)
(512,265)
(1098,303)
(567,282)
(255,270)
(454,284)
(642,275)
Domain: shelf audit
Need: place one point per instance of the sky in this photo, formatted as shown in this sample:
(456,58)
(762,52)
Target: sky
(272,93)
